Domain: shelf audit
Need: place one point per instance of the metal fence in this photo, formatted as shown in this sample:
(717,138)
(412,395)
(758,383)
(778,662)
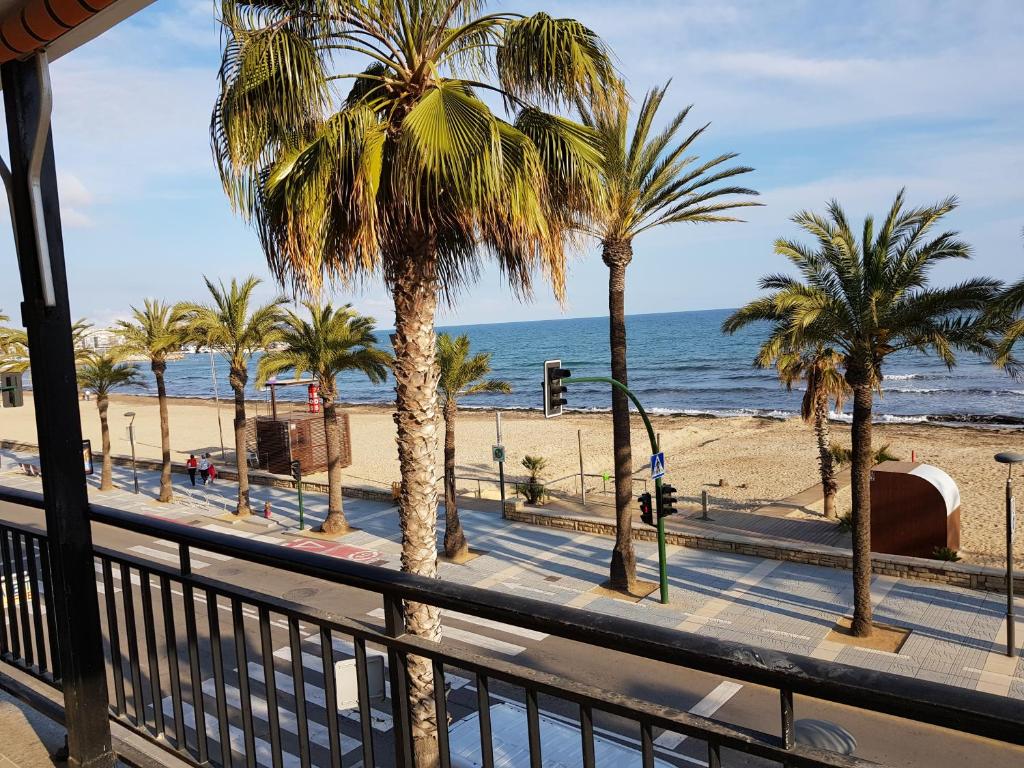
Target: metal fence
(220,674)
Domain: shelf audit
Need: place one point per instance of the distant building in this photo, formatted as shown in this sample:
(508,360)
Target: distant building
(100,340)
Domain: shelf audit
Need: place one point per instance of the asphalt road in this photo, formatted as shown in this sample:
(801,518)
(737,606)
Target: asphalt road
(883,739)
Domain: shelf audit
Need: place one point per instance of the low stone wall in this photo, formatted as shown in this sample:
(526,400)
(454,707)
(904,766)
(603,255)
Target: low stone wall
(938,571)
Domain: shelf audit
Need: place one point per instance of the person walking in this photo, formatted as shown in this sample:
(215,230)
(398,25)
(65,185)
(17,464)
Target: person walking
(191,465)
(204,468)
(213,471)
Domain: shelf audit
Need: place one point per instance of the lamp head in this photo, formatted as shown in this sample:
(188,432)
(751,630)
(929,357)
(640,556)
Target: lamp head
(1010,457)
(130,414)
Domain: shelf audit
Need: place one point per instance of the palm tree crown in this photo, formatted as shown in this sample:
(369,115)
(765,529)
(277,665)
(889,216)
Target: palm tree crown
(102,373)
(819,369)
(154,331)
(330,342)
(462,373)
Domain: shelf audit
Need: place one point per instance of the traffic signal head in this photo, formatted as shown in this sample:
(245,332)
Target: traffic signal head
(667,500)
(11,390)
(296,470)
(554,390)
(646,508)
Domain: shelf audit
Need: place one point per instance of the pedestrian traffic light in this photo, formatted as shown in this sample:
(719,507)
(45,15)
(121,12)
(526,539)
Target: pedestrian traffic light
(646,510)
(667,500)
(296,470)
(553,387)
(11,390)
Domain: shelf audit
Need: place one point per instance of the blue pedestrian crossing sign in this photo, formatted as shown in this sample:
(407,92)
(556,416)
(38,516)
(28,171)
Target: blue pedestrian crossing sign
(657,465)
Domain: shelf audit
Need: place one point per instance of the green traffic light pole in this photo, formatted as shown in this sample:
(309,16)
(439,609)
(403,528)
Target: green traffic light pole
(662,568)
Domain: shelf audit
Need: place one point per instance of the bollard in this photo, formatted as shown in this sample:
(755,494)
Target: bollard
(266,509)
(704,505)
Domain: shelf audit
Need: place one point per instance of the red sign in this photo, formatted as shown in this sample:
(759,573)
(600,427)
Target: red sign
(314,398)
(334,549)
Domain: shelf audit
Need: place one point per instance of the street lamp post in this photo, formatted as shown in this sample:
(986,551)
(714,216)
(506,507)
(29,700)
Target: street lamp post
(131,439)
(216,400)
(1010,459)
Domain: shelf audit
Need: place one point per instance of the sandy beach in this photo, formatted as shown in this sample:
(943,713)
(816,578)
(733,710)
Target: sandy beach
(761,460)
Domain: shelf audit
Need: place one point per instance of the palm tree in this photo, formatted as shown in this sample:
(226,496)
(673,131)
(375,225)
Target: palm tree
(102,373)
(330,342)
(818,369)
(461,375)
(1012,304)
(156,331)
(14,345)
(236,330)
(867,299)
(650,180)
(410,177)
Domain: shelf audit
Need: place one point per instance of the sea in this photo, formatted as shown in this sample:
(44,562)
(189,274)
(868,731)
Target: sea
(679,363)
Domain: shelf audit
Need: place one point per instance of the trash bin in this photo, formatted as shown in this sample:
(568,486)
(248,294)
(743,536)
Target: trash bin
(915,508)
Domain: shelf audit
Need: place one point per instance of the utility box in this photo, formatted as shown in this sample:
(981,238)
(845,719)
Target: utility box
(915,509)
(298,437)
(346,683)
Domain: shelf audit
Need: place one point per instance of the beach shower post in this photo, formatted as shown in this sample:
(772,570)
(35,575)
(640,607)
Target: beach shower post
(297,474)
(1010,459)
(131,438)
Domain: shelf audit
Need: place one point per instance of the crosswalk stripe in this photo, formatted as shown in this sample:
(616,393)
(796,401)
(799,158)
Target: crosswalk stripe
(318,732)
(706,707)
(202,552)
(529,634)
(241,534)
(470,638)
(236,736)
(167,557)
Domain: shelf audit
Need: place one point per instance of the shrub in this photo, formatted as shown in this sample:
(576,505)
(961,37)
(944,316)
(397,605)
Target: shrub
(845,521)
(945,553)
(533,489)
(843,455)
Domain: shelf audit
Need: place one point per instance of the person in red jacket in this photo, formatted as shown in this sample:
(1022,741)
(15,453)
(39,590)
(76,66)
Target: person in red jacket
(192,464)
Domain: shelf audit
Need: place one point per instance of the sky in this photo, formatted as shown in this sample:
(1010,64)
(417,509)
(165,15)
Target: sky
(825,100)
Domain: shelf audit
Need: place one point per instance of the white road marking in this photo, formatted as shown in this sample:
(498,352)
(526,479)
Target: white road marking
(193,550)
(471,638)
(167,557)
(236,735)
(706,707)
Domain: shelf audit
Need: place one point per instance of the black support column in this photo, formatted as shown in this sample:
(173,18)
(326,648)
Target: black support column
(55,394)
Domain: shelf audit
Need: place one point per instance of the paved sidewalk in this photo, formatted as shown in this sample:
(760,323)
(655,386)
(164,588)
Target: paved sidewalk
(957,635)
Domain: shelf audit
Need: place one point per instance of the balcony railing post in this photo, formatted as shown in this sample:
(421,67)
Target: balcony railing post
(786,707)
(398,670)
(46,316)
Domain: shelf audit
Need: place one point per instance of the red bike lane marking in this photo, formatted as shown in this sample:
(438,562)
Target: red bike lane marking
(334,549)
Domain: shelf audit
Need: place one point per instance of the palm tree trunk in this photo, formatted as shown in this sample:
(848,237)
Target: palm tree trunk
(166,494)
(106,481)
(455,545)
(335,522)
(861,480)
(238,378)
(414,289)
(617,254)
(825,464)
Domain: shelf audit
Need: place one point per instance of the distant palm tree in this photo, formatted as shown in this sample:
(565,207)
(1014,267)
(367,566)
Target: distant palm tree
(868,298)
(236,330)
(818,369)
(411,177)
(461,375)
(103,373)
(650,180)
(14,345)
(155,332)
(330,342)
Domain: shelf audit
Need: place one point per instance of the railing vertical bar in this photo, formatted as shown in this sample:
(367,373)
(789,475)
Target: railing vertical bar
(533,727)
(114,636)
(23,599)
(483,700)
(146,587)
(5,648)
(238,621)
(714,755)
(295,646)
(331,695)
(587,735)
(132,641)
(37,613)
(398,669)
(12,604)
(171,646)
(217,655)
(51,626)
(365,724)
(441,712)
(786,702)
(270,683)
(192,638)
(647,745)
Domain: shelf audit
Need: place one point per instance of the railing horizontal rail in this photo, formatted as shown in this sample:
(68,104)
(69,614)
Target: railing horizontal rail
(968,711)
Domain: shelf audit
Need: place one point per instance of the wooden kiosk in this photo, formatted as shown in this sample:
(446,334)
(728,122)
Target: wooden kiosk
(298,436)
(915,508)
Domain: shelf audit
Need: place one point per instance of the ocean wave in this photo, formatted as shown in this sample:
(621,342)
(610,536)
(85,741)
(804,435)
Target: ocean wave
(901,376)
(957,392)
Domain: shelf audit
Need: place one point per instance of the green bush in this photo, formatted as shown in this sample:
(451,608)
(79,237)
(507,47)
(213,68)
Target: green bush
(945,553)
(533,489)
(845,521)
(842,455)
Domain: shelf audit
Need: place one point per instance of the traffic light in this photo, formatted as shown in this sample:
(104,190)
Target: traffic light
(553,387)
(11,390)
(646,510)
(296,470)
(667,500)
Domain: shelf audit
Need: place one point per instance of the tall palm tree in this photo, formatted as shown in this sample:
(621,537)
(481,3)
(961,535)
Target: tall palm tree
(155,332)
(462,375)
(818,368)
(237,330)
(410,177)
(867,298)
(651,179)
(103,373)
(14,345)
(330,342)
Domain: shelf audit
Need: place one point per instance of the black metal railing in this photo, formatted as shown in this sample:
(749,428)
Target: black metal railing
(221,674)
